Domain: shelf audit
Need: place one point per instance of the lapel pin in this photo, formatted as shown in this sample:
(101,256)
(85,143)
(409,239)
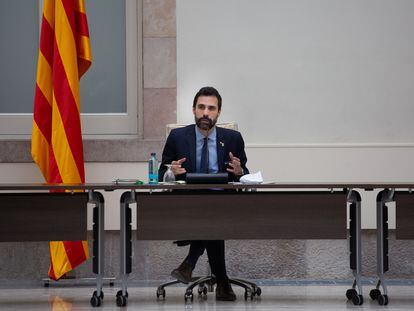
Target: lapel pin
(222,144)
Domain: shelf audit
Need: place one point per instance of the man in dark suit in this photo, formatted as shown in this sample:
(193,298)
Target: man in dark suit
(205,148)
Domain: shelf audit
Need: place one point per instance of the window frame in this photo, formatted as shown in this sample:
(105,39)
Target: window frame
(100,125)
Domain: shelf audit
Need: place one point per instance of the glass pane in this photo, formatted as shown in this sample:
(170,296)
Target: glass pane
(19,33)
(103,87)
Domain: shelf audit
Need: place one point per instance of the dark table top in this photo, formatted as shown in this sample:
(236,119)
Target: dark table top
(131,186)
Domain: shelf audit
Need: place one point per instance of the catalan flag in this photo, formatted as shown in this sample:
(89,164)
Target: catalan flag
(64,56)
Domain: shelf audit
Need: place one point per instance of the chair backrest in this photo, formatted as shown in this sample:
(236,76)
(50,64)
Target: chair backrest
(227,125)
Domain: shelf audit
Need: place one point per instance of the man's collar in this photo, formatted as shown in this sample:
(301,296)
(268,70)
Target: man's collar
(200,136)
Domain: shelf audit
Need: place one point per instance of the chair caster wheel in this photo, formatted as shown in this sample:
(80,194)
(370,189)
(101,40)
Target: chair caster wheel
(374,294)
(382,300)
(248,294)
(202,290)
(258,291)
(161,293)
(188,296)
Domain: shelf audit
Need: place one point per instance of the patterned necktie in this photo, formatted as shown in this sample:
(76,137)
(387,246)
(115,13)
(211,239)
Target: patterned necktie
(204,157)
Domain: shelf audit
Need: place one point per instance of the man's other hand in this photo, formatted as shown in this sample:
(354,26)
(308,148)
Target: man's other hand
(176,167)
(235,168)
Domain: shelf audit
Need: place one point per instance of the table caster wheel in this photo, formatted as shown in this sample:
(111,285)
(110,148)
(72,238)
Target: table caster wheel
(357,300)
(121,301)
(119,293)
(374,294)
(382,300)
(95,300)
(350,293)
(95,293)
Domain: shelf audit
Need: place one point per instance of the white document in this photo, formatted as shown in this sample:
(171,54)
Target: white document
(255,178)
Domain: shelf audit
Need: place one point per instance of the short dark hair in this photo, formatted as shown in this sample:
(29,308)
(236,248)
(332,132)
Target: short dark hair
(208,91)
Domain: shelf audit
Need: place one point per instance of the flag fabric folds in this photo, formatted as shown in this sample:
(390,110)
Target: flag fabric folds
(64,56)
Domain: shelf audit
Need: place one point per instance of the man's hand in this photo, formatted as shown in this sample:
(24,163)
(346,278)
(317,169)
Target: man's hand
(236,168)
(176,167)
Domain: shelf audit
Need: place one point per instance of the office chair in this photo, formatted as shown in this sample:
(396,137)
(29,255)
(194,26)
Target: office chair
(206,283)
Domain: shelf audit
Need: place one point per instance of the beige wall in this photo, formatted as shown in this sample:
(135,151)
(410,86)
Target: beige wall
(159,66)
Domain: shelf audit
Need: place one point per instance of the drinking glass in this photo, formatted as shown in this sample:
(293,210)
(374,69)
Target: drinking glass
(168,175)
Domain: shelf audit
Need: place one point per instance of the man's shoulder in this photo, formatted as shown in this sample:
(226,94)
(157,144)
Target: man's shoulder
(227,132)
(182,130)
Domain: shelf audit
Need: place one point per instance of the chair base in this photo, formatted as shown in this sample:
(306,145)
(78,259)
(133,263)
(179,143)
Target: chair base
(206,284)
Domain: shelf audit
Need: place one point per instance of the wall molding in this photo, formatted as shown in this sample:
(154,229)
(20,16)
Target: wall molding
(333,146)
(97,150)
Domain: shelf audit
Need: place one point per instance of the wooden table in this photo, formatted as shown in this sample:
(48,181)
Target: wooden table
(265,211)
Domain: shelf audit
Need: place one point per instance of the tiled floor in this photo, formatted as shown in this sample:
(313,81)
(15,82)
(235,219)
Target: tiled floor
(282,297)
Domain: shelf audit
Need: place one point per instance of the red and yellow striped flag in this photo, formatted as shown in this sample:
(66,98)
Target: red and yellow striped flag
(64,56)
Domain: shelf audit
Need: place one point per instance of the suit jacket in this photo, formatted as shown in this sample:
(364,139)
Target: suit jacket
(181,143)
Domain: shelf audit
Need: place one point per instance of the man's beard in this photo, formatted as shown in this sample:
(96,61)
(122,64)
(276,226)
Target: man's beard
(205,123)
